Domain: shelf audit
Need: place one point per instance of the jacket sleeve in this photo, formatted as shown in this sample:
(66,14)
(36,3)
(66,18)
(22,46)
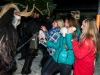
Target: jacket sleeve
(68,40)
(46,34)
(83,50)
(52,44)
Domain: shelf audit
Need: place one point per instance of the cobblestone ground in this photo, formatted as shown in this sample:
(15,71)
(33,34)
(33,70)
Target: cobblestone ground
(36,69)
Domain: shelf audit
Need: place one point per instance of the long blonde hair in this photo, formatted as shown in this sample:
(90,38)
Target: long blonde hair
(90,30)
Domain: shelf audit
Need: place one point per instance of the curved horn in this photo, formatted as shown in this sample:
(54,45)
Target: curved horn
(6,7)
(48,10)
(38,10)
(24,13)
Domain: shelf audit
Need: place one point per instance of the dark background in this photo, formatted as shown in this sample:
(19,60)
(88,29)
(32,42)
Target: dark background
(82,5)
(86,7)
(68,5)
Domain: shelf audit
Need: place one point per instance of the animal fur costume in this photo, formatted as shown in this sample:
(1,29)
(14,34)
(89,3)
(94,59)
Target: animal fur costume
(9,19)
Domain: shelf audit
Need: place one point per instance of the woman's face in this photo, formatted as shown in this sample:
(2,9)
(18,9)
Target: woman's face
(83,25)
(54,24)
(66,23)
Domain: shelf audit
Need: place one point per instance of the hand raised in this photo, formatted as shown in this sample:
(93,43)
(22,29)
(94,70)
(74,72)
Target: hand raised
(43,28)
(71,29)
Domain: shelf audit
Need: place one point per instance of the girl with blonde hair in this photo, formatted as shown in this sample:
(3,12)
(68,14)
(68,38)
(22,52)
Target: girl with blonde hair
(86,48)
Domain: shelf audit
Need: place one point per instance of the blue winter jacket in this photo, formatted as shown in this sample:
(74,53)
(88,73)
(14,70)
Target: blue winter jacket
(63,55)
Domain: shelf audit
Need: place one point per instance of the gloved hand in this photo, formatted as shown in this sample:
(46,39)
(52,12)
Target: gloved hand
(63,31)
(41,35)
(71,29)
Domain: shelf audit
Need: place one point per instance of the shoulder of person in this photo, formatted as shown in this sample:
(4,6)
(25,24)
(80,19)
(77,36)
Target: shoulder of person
(88,41)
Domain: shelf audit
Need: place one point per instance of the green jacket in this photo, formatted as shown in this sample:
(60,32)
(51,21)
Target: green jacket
(63,55)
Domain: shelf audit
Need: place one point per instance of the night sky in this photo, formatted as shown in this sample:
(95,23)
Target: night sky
(65,3)
(82,5)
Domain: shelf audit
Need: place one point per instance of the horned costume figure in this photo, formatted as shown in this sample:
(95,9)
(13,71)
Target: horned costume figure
(28,39)
(9,19)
